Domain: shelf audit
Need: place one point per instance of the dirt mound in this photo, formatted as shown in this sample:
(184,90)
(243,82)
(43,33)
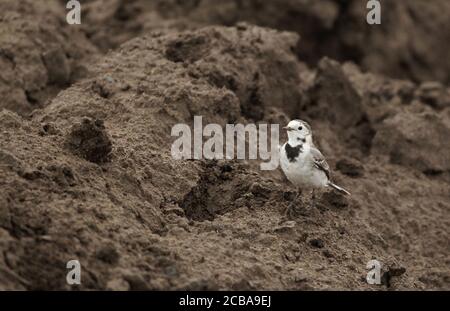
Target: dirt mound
(40,54)
(90,176)
(410,42)
(136,218)
(408,138)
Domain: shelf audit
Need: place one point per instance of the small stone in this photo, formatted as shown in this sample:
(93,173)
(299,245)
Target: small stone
(328,254)
(226,168)
(318,243)
(136,282)
(390,270)
(108,254)
(259,190)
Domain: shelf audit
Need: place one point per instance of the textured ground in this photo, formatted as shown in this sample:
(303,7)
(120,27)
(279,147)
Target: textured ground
(85,165)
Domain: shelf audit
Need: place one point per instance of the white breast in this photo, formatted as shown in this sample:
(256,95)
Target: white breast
(302,172)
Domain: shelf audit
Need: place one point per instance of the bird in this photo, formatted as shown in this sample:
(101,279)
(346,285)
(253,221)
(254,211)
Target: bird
(303,164)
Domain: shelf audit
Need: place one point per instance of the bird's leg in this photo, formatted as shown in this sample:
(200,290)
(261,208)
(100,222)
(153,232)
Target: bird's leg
(299,192)
(313,198)
(291,209)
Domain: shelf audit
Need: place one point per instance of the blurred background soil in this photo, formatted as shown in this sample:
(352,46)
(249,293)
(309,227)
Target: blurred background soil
(86,169)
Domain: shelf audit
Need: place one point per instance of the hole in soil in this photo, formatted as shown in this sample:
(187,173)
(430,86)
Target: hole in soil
(217,191)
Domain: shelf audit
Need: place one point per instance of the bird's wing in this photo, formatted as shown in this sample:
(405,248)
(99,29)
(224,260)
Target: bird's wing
(320,162)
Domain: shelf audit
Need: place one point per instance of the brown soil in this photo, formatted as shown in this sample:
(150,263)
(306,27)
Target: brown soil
(88,175)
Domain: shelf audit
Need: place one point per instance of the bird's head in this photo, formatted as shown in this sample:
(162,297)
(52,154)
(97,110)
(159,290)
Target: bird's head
(299,132)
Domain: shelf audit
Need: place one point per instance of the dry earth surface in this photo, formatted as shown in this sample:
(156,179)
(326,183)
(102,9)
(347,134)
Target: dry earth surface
(85,164)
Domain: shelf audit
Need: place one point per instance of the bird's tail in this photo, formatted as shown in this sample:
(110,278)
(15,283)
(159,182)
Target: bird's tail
(340,189)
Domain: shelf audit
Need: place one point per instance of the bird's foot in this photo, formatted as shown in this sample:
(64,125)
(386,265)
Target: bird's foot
(291,211)
(313,199)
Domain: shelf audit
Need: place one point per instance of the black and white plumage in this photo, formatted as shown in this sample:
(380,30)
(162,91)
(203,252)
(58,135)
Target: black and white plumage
(302,163)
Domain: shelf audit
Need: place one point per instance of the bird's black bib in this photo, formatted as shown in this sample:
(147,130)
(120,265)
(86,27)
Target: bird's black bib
(293,152)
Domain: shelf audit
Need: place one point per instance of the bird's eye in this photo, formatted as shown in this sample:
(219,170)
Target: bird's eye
(300,128)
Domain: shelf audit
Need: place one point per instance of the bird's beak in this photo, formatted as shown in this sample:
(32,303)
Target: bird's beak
(287,128)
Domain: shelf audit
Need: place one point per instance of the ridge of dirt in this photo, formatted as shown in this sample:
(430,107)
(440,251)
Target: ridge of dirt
(411,42)
(40,54)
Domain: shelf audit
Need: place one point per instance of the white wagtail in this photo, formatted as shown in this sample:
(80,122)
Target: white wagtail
(302,163)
